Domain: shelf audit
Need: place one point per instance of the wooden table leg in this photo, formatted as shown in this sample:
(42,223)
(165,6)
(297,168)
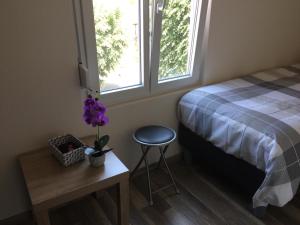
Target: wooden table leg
(42,217)
(123,204)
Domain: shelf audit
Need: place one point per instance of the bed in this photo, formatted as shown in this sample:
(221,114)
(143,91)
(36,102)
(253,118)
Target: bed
(249,127)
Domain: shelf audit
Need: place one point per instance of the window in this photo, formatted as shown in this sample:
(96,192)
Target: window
(132,48)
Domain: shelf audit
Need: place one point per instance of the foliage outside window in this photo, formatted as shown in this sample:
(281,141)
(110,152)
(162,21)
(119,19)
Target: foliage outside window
(110,40)
(174,39)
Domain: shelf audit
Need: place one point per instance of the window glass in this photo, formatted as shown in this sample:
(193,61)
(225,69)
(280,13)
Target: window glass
(175,40)
(117,33)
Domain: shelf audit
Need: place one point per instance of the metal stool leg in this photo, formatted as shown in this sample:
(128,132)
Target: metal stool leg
(145,152)
(160,159)
(169,172)
(148,176)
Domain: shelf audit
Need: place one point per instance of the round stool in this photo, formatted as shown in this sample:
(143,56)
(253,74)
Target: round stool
(154,136)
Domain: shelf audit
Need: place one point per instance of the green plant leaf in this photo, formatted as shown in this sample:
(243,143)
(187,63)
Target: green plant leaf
(102,142)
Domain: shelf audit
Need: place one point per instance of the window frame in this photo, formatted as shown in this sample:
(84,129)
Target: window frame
(87,51)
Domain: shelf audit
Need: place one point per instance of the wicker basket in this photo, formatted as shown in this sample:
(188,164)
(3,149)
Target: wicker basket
(68,158)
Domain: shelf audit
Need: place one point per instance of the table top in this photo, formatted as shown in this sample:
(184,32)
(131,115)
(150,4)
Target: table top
(47,179)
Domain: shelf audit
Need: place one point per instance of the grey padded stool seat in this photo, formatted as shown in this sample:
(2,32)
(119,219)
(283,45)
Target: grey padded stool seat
(154,136)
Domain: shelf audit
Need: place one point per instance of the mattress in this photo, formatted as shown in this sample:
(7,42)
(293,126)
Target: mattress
(255,118)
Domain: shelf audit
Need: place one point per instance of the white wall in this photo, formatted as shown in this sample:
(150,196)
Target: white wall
(251,35)
(39,94)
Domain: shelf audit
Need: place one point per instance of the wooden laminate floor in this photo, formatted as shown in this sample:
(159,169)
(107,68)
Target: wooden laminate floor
(204,199)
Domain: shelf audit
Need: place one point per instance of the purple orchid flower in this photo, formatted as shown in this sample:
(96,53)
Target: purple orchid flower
(94,112)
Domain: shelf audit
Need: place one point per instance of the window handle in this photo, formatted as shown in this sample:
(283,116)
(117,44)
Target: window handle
(160,6)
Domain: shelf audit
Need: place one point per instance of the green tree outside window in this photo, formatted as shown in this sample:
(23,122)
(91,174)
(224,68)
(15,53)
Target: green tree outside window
(174,39)
(110,40)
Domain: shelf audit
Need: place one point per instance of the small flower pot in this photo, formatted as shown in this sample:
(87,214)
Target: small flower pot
(97,161)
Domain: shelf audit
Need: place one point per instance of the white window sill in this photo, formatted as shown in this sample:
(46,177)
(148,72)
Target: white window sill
(123,98)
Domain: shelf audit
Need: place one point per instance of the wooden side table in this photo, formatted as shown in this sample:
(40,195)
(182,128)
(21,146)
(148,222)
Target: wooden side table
(50,184)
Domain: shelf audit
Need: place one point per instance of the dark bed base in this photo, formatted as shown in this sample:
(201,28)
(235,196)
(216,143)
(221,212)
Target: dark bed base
(247,177)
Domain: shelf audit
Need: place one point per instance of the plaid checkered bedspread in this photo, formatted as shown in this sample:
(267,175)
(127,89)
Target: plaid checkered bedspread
(255,118)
